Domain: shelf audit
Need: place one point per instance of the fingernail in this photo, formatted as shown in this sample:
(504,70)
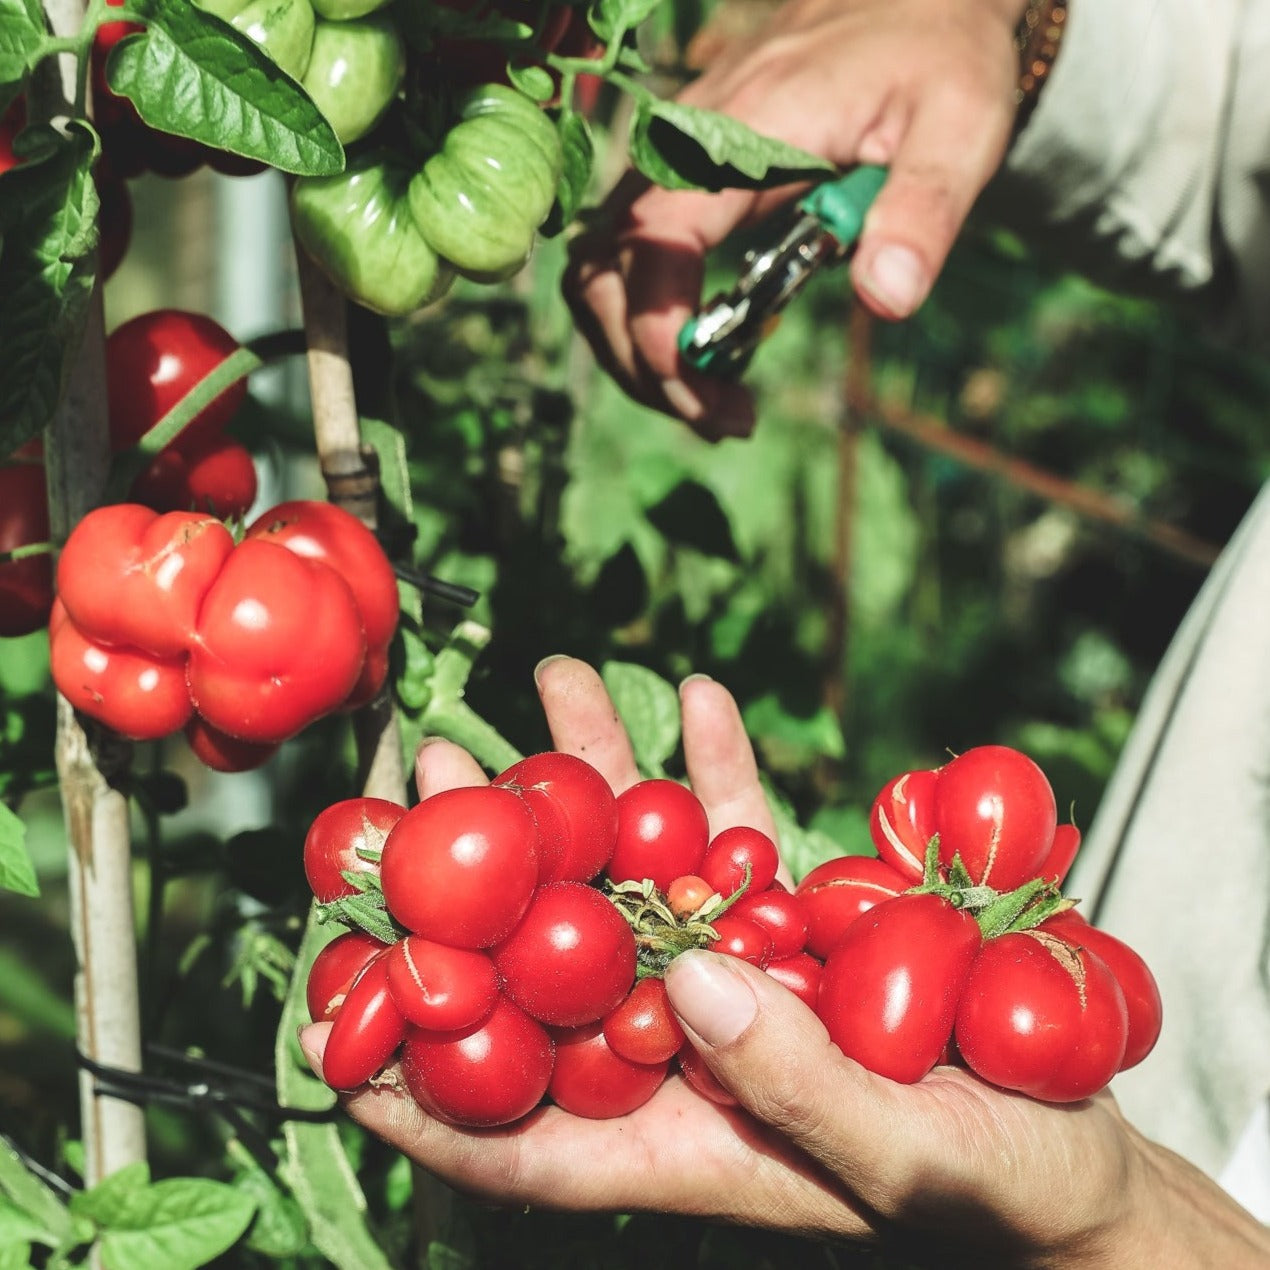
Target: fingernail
(683,401)
(542,665)
(710,997)
(304,1034)
(692,679)
(896,278)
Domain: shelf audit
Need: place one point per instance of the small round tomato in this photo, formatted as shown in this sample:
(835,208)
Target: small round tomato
(1141,992)
(460,867)
(222,753)
(335,968)
(1062,855)
(995,809)
(265,666)
(902,821)
(575,810)
(114,224)
(741,938)
(368,1028)
(702,1079)
(662,833)
(686,895)
(836,893)
(11,123)
(801,974)
(347,837)
(731,852)
(1042,1016)
(590,1079)
(572,957)
(153,360)
(439,987)
(890,988)
(780,914)
(490,1074)
(643,1028)
(217,478)
(26,586)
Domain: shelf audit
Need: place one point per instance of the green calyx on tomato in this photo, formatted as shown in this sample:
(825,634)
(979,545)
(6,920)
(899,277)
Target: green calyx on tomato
(354,72)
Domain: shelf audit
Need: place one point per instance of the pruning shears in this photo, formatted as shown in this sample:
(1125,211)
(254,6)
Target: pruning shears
(726,332)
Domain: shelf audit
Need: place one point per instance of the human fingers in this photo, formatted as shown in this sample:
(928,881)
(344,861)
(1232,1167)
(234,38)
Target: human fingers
(442,765)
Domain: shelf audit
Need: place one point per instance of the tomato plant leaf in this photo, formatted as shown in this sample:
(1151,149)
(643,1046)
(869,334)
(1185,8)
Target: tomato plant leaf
(649,707)
(533,81)
(28,1195)
(578,148)
(191,74)
(611,19)
(17,873)
(690,516)
(278,1229)
(48,224)
(21,37)
(801,848)
(684,147)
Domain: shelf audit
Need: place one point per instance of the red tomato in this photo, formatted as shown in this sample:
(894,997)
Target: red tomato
(439,987)
(801,974)
(780,914)
(731,851)
(224,753)
(1043,1017)
(686,895)
(153,360)
(1062,854)
(11,123)
(367,1030)
(741,938)
(1141,992)
(114,223)
(322,531)
(460,867)
(662,833)
(122,131)
(836,893)
(643,1028)
(890,988)
(338,838)
(590,1079)
(575,810)
(335,968)
(995,809)
(265,665)
(217,478)
(703,1080)
(571,959)
(130,576)
(902,821)
(486,1075)
(26,586)
(137,695)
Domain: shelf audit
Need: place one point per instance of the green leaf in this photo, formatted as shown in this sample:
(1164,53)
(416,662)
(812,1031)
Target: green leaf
(611,19)
(534,81)
(684,147)
(30,1195)
(48,227)
(21,36)
(278,1230)
(17,873)
(15,1256)
(17,1226)
(801,849)
(191,74)
(578,149)
(649,707)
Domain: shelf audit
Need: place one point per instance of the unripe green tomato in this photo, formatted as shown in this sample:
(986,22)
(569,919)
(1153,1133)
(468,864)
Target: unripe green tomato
(355,72)
(282,28)
(345,10)
(358,228)
(480,200)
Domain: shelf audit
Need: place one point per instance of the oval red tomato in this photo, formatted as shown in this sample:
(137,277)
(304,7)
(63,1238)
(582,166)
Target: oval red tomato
(836,893)
(347,837)
(335,968)
(217,478)
(800,974)
(902,821)
(224,753)
(732,852)
(741,938)
(367,1030)
(438,987)
(780,914)
(590,1079)
(643,1028)
(662,833)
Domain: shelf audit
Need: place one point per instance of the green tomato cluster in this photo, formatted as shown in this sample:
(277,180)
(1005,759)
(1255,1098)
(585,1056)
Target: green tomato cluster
(349,58)
(393,238)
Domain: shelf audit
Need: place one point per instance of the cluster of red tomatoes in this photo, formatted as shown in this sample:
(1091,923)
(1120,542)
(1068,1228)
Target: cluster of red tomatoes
(521,931)
(164,622)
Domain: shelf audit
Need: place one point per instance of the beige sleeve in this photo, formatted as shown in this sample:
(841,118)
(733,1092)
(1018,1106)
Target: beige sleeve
(1146,161)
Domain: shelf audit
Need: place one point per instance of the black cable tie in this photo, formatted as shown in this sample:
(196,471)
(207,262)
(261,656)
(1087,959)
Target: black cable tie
(455,592)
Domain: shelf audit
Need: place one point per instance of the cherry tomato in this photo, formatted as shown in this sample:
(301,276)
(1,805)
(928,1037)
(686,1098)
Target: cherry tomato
(490,1074)
(702,1079)
(263,668)
(335,968)
(222,753)
(368,1028)
(460,867)
(122,131)
(1141,992)
(801,974)
(902,821)
(130,576)
(836,893)
(1042,1016)
(337,839)
(780,914)
(114,223)
(217,478)
(734,850)
(685,896)
(590,1079)
(995,809)
(152,361)
(890,988)
(26,586)
(741,938)
(11,123)
(575,811)
(572,957)
(643,1028)
(439,987)
(662,833)
(139,696)
(1062,854)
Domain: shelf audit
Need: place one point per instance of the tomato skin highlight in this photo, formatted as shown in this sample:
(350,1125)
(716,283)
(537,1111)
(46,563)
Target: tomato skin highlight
(834,894)
(890,988)
(490,1074)
(460,868)
(1042,1017)
(335,968)
(336,837)
(438,987)
(662,833)
(902,821)
(590,1079)
(367,1030)
(643,1028)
